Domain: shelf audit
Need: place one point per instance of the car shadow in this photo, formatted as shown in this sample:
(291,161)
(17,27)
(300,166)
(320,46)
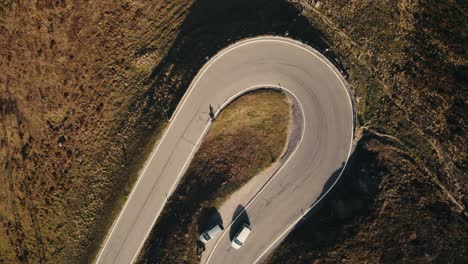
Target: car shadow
(209,217)
(239,218)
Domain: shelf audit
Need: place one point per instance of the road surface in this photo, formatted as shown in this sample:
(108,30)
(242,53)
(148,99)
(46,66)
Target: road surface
(323,149)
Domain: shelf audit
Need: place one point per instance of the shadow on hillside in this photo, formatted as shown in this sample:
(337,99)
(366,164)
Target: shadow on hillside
(351,196)
(213,25)
(239,218)
(210,26)
(209,217)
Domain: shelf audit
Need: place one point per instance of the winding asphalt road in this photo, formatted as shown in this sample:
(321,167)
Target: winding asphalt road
(323,149)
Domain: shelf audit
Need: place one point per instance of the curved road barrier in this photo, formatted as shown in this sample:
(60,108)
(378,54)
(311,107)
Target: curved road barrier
(322,152)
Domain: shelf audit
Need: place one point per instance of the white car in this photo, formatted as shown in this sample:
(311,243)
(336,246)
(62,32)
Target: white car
(211,233)
(241,237)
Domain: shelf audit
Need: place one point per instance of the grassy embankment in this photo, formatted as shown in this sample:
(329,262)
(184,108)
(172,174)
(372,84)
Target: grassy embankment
(248,136)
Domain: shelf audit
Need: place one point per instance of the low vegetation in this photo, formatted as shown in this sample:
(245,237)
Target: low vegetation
(248,136)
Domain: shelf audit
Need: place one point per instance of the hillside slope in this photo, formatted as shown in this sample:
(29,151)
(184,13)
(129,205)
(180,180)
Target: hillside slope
(403,198)
(75,118)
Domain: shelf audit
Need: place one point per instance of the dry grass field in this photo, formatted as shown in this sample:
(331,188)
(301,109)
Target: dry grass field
(75,118)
